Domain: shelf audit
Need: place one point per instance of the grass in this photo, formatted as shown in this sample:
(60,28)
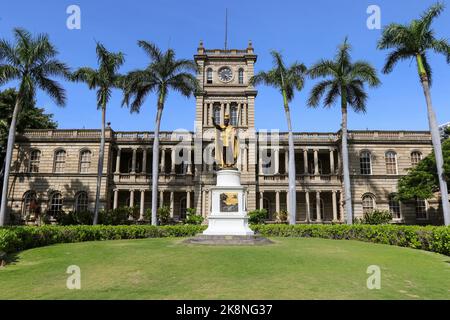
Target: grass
(293,268)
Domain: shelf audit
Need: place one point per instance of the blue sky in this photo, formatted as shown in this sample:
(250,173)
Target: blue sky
(303,30)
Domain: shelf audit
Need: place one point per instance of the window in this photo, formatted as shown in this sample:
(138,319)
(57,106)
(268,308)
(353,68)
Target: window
(209,79)
(368,204)
(81,202)
(183,208)
(234,115)
(421,209)
(391,162)
(365,163)
(241,76)
(416,157)
(56,203)
(60,161)
(217,113)
(85,161)
(29,207)
(394,207)
(35,158)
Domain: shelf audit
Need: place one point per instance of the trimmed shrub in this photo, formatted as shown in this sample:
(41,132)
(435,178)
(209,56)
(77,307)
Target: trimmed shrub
(163,215)
(192,217)
(430,238)
(257,216)
(13,239)
(435,239)
(376,217)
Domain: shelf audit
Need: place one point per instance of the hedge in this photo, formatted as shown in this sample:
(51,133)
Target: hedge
(435,239)
(13,239)
(429,238)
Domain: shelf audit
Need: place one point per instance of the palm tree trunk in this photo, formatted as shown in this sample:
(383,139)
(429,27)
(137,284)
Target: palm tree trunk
(345,162)
(292,210)
(8,160)
(436,139)
(101,156)
(155,166)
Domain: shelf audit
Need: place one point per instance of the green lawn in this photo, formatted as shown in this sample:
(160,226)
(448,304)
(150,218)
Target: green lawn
(167,269)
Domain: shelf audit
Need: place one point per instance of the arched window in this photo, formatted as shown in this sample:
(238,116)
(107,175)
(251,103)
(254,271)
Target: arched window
(365,163)
(217,112)
(209,77)
(35,159)
(183,208)
(394,207)
(421,209)
(241,76)
(416,157)
(29,207)
(56,203)
(234,115)
(60,161)
(391,162)
(81,202)
(368,203)
(85,161)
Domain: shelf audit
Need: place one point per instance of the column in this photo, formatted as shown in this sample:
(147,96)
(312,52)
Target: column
(319,214)
(188,199)
(172,161)
(161,199)
(133,161)
(245,114)
(277,201)
(227,110)
(339,161)
(119,152)
(305,161)
(277,161)
(333,196)
(287,203)
(261,200)
(341,208)
(286,160)
(332,169)
(142,204)
(222,112)
(131,198)
(190,161)
(172,202)
(116,199)
(205,114)
(211,109)
(144,161)
(308,207)
(316,162)
(163,160)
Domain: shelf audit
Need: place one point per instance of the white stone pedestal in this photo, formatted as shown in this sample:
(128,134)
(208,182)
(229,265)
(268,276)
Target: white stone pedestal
(228,215)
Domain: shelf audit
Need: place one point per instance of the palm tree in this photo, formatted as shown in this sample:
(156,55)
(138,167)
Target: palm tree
(346,80)
(104,79)
(414,41)
(163,73)
(287,80)
(32,62)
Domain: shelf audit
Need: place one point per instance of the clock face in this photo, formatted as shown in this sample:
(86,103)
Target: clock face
(225,74)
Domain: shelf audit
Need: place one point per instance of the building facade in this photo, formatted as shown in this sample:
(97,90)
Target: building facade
(56,169)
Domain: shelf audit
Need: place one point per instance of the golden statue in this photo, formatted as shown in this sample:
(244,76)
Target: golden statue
(227,144)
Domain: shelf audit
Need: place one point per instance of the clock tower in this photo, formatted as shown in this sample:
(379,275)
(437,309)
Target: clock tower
(224,76)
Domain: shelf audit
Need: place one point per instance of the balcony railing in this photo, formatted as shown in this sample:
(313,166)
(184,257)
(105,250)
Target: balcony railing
(284,178)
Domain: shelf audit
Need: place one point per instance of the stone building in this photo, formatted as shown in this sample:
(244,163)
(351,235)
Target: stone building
(56,169)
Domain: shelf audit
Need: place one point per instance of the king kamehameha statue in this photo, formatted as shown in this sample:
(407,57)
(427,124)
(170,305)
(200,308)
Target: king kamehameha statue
(227,144)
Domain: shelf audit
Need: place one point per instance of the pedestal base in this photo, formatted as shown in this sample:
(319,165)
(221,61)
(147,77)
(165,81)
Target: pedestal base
(216,240)
(228,225)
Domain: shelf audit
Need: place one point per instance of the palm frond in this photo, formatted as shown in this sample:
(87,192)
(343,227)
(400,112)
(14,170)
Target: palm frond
(395,56)
(317,92)
(152,50)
